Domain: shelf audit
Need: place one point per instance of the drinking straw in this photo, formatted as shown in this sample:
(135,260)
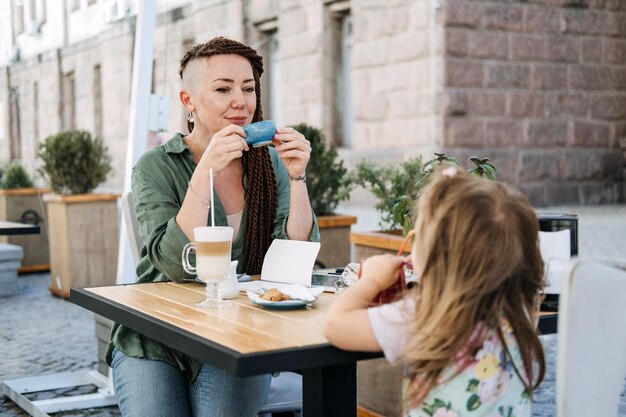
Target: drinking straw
(211,197)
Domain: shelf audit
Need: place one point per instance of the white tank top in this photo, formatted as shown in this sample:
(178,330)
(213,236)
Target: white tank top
(234,221)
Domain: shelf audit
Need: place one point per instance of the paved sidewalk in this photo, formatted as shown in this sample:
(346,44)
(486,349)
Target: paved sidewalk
(41,334)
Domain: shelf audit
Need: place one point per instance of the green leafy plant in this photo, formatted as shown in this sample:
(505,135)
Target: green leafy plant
(15,176)
(399,188)
(404,209)
(73,162)
(327,181)
(390,185)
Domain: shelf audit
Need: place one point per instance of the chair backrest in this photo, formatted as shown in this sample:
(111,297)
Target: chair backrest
(591,362)
(132,226)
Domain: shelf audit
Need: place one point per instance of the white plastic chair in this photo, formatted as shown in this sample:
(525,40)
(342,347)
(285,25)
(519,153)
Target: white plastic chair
(591,363)
(286,389)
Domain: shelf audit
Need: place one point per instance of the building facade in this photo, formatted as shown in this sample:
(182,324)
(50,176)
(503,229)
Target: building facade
(539,86)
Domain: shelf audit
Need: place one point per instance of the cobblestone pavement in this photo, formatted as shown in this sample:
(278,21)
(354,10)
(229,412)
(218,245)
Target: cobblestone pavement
(41,334)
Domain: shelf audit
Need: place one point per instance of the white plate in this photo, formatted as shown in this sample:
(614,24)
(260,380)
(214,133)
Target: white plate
(282,305)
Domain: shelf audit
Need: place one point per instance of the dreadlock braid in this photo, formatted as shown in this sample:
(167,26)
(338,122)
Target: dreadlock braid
(259,180)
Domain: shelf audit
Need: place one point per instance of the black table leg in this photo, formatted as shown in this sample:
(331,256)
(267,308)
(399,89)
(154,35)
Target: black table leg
(329,391)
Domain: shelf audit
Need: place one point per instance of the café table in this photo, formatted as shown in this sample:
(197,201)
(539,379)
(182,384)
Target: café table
(244,339)
(15,228)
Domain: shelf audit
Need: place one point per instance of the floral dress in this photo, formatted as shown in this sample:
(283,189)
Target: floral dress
(488,385)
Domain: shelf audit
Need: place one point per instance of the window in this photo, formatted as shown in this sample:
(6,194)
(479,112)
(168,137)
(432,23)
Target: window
(19,18)
(42,11)
(338,80)
(35,113)
(344,84)
(97,101)
(69,102)
(15,145)
(273,90)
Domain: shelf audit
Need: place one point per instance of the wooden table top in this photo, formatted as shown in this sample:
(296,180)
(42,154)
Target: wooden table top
(244,327)
(15,228)
(244,339)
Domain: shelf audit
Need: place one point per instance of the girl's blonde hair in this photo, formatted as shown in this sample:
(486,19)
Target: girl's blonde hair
(476,250)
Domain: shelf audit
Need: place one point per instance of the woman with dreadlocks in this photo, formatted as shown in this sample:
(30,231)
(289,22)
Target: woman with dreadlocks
(260,192)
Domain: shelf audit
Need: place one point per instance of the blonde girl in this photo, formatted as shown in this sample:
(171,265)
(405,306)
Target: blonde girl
(467,333)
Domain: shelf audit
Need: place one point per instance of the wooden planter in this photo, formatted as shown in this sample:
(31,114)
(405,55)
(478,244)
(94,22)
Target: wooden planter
(379,385)
(84,233)
(26,206)
(335,240)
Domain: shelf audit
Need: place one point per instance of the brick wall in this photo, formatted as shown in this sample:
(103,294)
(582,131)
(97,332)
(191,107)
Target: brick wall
(540,86)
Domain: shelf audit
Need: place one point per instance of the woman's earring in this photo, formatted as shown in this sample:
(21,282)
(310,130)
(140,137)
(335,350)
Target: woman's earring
(190,117)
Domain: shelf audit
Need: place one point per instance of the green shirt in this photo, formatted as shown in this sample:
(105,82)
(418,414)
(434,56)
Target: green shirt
(159,182)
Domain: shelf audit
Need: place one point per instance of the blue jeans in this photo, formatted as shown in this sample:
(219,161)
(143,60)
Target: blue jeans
(150,388)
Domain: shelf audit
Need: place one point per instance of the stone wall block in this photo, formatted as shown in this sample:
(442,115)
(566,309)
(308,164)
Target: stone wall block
(505,161)
(485,103)
(490,45)
(525,104)
(550,77)
(455,43)
(608,106)
(616,24)
(536,193)
(561,193)
(403,105)
(591,50)
(565,104)
(503,16)
(584,22)
(454,103)
(372,108)
(407,46)
(405,133)
(542,20)
(619,78)
(588,134)
(462,13)
(583,164)
(463,73)
(528,47)
(503,133)
(563,49)
(508,75)
(390,22)
(598,192)
(370,53)
(463,132)
(543,133)
(399,76)
(615,51)
(617,5)
(591,77)
(539,166)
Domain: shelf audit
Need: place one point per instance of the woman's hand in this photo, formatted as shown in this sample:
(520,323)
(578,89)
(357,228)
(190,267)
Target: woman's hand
(226,145)
(293,149)
(382,270)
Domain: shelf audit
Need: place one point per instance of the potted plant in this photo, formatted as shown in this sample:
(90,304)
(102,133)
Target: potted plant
(328,184)
(20,201)
(83,226)
(397,190)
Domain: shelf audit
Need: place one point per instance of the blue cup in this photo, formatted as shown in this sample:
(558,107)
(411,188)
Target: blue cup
(260,133)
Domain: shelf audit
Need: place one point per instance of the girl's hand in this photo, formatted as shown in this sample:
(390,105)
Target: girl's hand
(293,149)
(382,270)
(226,145)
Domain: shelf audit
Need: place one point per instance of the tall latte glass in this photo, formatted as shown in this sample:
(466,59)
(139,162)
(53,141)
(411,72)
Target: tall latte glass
(213,247)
